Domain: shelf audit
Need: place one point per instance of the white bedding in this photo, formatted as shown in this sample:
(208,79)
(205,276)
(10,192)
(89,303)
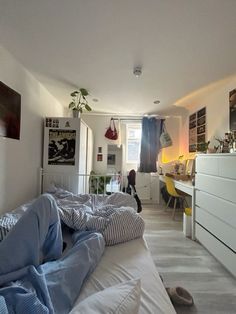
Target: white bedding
(127,261)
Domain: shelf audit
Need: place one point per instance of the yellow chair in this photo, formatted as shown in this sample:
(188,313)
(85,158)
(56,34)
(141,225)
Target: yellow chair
(174,194)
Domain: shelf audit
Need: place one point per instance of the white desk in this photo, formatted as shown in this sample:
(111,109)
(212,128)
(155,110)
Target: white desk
(188,188)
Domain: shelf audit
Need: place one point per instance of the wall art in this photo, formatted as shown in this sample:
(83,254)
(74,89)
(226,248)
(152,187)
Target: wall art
(197,130)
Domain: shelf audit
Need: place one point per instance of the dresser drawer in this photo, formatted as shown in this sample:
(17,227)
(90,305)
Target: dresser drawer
(220,208)
(227,167)
(220,187)
(207,164)
(222,165)
(219,250)
(220,229)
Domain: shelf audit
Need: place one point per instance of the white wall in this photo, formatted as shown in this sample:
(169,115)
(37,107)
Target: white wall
(215,98)
(20,159)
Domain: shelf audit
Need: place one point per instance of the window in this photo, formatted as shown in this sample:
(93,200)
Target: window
(133,132)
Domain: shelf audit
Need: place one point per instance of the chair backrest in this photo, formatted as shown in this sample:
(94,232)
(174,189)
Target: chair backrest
(131,177)
(170,186)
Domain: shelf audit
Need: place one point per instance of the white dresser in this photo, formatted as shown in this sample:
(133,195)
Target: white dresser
(215,206)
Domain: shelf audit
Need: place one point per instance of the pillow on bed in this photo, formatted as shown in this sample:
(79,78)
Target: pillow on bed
(123,298)
(124,225)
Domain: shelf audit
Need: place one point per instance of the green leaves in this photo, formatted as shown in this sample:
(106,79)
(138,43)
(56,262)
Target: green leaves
(84,92)
(87,107)
(74,94)
(79,101)
(72,105)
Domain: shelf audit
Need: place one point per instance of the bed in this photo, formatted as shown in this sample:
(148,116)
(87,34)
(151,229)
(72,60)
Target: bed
(122,263)
(125,280)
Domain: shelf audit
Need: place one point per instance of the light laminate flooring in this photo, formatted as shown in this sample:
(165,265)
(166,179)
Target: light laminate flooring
(186,263)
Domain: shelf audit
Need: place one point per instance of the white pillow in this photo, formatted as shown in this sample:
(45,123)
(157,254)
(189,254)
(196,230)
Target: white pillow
(123,298)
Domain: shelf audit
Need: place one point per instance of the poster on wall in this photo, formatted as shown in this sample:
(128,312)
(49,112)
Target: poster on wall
(232,110)
(61,147)
(197,130)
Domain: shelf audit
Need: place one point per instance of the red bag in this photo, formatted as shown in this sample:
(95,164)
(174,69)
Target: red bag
(111,132)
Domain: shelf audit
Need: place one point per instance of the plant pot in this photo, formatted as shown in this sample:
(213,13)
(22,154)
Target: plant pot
(76,113)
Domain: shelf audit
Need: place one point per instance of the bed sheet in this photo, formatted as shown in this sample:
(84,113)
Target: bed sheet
(123,262)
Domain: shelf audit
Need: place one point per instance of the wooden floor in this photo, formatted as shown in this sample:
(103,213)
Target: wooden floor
(183,262)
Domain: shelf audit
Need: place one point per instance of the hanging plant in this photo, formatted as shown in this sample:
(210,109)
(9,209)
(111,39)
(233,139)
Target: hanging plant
(79,101)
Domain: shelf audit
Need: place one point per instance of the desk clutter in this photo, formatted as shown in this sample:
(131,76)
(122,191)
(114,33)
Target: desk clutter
(182,177)
(183,170)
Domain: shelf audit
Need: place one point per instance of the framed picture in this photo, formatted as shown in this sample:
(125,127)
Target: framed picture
(111,159)
(99,157)
(201,129)
(232,110)
(61,147)
(197,130)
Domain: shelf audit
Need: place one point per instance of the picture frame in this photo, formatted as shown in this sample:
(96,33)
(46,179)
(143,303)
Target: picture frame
(197,130)
(111,159)
(232,110)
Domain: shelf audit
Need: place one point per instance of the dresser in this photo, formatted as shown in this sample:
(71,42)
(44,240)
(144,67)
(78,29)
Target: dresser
(215,206)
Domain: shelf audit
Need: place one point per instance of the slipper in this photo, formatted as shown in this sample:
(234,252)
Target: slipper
(180,296)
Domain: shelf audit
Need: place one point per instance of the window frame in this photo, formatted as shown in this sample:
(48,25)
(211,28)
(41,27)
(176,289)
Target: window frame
(130,126)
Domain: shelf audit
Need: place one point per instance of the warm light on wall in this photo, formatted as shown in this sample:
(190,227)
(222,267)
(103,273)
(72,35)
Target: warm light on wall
(188,100)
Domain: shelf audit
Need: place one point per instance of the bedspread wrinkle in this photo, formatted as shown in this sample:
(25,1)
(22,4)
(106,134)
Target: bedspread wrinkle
(29,285)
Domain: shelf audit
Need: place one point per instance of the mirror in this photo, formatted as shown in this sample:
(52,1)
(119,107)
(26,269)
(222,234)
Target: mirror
(114,159)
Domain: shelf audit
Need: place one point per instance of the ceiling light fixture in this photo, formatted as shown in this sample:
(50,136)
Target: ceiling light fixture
(137,71)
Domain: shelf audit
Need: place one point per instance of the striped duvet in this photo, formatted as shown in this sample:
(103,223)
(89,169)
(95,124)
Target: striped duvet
(112,215)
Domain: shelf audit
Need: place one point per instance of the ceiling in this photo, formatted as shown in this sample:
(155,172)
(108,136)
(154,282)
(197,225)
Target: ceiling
(181,45)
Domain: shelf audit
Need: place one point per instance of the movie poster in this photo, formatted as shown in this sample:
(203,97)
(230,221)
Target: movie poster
(61,147)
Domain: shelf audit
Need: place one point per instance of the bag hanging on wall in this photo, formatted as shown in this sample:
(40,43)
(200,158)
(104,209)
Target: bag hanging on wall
(165,138)
(111,132)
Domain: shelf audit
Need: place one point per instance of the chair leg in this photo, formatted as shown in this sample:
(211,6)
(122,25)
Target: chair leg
(170,198)
(173,215)
(184,201)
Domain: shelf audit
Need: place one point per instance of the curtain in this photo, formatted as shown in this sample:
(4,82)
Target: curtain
(150,144)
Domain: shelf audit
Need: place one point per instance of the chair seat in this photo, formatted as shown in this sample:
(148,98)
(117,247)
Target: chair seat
(174,193)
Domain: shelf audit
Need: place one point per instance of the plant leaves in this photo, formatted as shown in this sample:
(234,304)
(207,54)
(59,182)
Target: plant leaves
(72,105)
(74,93)
(84,92)
(87,107)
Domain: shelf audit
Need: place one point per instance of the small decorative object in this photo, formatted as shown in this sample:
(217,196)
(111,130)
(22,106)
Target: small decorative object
(111,132)
(79,102)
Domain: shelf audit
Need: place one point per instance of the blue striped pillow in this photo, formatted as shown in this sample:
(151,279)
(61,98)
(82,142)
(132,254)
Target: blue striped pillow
(7,221)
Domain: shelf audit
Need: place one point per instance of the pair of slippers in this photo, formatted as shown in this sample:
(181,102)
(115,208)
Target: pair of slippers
(180,296)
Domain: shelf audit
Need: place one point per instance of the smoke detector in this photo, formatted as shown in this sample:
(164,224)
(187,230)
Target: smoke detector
(137,71)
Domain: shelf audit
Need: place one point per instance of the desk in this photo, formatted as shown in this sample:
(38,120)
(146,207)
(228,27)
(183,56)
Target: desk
(188,188)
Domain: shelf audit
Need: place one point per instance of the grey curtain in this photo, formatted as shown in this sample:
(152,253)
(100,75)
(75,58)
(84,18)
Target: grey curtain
(150,143)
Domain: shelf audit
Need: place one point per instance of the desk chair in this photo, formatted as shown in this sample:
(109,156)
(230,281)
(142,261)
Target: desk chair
(174,194)
(132,190)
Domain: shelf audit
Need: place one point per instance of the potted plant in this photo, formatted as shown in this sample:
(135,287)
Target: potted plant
(79,102)
(203,147)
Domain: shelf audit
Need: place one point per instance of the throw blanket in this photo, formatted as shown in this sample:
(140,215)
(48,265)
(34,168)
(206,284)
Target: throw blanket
(114,216)
(26,286)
